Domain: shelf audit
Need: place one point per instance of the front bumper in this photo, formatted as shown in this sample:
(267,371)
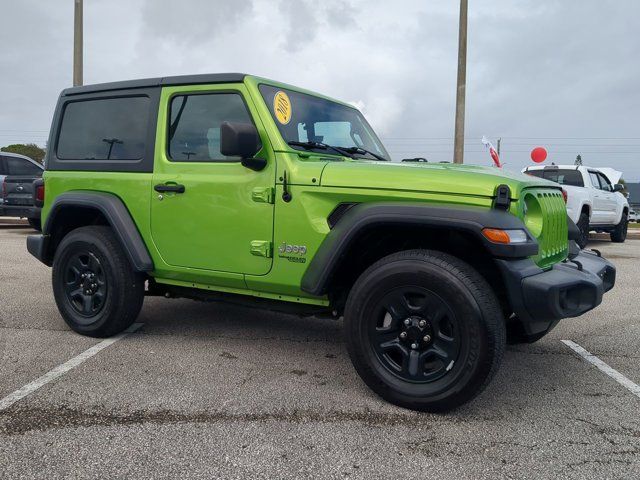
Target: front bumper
(541,298)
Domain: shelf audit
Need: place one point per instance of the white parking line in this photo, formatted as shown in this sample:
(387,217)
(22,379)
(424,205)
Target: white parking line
(603,367)
(60,370)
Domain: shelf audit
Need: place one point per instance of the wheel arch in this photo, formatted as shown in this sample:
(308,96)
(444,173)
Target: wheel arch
(71,210)
(376,230)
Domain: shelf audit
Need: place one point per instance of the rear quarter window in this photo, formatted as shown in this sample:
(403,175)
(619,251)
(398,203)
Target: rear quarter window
(104,129)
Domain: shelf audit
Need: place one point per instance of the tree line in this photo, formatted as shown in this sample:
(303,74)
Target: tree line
(30,150)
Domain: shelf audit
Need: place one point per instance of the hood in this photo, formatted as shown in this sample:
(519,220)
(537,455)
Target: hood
(614,176)
(427,177)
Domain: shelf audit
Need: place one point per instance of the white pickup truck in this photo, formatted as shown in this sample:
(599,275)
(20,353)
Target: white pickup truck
(594,201)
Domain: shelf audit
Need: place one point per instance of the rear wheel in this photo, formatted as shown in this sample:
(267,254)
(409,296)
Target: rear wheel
(424,330)
(619,234)
(97,292)
(583,226)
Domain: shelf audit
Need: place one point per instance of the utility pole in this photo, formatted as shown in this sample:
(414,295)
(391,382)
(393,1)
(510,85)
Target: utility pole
(499,141)
(77,43)
(458,145)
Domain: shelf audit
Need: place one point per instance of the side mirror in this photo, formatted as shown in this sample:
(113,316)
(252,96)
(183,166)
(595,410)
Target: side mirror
(618,187)
(241,140)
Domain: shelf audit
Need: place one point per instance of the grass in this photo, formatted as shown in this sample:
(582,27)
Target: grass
(634,225)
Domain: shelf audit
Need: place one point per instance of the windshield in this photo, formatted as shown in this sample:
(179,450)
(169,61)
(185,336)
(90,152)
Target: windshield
(303,118)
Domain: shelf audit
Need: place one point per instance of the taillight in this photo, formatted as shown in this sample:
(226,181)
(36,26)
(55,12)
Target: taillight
(40,193)
(564,195)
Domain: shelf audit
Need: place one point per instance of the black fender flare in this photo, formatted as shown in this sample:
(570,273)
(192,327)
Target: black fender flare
(361,217)
(116,214)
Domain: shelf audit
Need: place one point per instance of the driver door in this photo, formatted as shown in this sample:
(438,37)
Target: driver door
(598,214)
(204,211)
(609,199)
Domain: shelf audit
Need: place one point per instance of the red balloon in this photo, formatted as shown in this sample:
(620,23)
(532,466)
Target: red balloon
(538,154)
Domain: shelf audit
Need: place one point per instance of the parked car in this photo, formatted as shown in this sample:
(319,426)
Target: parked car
(633,216)
(237,188)
(17,176)
(594,202)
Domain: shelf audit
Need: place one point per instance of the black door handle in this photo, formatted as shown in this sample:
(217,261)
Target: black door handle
(163,187)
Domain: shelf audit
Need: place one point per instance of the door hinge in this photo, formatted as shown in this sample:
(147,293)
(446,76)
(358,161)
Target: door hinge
(263,194)
(261,248)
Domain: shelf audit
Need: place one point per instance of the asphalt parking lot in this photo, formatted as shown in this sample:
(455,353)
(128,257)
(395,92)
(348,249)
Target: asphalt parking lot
(217,391)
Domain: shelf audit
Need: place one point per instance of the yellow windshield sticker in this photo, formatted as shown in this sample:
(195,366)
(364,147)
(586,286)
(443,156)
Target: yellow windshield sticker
(282,107)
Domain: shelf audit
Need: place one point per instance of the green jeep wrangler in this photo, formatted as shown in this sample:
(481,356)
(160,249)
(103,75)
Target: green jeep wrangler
(236,188)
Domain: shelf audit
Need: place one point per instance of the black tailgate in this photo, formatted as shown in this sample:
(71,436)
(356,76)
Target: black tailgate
(18,190)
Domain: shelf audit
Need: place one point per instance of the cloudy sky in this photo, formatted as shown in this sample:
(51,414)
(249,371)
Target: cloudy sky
(561,74)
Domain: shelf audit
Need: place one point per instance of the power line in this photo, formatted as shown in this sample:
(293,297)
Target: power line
(518,138)
(25,131)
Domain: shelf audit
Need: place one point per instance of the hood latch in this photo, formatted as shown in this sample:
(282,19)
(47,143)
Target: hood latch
(502,199)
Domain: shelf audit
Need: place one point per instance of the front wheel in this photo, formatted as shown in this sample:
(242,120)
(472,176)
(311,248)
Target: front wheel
(583,226)
(97,292)
(424,330)
(619,234)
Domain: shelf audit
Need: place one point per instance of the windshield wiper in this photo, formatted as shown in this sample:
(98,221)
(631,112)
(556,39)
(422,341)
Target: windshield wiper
(362,151)
(320,146)
(348,151)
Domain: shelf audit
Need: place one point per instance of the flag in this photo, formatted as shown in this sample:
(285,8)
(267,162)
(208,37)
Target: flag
(492,151)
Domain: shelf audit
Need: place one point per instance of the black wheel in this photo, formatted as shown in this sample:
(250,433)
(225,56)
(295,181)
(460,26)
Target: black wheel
(97,292)
(35,223)
(583,226)
(619,234)
(424,330)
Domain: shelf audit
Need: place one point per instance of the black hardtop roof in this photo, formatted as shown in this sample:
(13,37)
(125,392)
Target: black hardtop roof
(204,78)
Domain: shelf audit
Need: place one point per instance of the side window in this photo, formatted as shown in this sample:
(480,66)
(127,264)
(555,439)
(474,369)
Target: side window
(20,166)
(104,129)
(194,126)
(605,184)
(594,180)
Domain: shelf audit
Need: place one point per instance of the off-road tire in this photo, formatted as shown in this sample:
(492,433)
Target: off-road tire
(619,234)
(35,223)
(121,289)
(454,286)
(583,226)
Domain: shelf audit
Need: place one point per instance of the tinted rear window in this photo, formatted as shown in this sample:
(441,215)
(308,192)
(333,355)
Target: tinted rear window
(20,166)
(104,129)
(561,176)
